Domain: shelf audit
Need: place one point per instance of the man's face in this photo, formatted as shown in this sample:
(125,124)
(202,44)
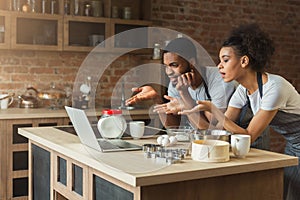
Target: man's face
(175,66)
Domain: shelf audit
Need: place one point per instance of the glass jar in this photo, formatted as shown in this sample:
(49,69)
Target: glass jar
(88,9)
(156,52)
(126,13)
(112,124)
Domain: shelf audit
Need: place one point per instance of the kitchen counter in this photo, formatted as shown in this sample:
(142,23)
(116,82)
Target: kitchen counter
(258,176)
(25,113)
(14,147)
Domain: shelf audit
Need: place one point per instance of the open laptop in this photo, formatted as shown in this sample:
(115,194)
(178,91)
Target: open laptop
(87,136)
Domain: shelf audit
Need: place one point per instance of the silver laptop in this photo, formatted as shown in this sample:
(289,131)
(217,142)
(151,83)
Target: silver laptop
(87,136)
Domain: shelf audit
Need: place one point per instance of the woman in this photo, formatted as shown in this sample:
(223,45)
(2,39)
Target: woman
(273,100)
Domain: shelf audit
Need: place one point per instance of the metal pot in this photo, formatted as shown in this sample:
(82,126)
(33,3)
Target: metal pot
(28,101)
(210,134)
(51,93)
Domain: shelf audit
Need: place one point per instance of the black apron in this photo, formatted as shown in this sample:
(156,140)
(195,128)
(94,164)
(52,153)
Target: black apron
(263,141)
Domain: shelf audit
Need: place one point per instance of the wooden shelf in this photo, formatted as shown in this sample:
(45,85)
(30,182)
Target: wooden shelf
(60,32)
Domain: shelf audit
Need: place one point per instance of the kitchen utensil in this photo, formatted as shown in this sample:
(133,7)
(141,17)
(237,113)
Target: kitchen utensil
(210,151)
(182,133)
(56,96)
(29,99)
(211,134)
(6,100)
(51,93)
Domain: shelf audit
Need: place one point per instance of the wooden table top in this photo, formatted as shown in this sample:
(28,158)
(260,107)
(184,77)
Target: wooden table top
(134,169)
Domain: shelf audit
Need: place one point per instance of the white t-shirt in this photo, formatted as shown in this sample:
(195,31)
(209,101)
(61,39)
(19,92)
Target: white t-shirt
(278,93)
(219,91)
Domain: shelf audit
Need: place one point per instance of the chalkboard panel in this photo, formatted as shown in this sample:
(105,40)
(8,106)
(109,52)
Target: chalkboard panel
(77,179)
(41,173)
(62,171)
(20,187)
(104,190)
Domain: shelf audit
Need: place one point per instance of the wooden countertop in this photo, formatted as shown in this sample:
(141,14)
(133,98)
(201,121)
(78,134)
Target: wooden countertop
(136,170)
(26,113)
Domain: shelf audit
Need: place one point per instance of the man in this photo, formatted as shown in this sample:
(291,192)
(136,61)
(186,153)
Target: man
(188,83)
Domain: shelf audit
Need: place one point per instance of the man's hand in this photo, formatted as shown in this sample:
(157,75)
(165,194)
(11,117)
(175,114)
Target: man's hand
(201,106)
(190,79)
(173,107)
(143,93)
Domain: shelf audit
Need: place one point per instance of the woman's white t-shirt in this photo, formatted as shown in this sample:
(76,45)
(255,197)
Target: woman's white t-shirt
(278,93)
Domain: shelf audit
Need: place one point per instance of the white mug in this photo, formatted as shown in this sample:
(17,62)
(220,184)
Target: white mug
(137,129)
(4,103)
(240,145)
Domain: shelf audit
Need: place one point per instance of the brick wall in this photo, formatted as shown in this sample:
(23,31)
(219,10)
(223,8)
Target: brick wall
(207,21)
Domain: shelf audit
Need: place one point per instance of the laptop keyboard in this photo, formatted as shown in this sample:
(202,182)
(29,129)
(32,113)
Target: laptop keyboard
(104,144)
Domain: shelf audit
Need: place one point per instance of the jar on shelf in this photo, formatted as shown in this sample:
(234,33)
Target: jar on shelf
(88,9)
(156,52)
(67,9)
(126,13)
(26,6)
(111,124)
(115,12)
(2,33)
(16,5)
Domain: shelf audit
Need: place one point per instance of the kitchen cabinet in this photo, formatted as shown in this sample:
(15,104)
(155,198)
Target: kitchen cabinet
(4,30)
(78,172)
(79,30)
(14,158)
(63,31)
(36,32)
(14,155)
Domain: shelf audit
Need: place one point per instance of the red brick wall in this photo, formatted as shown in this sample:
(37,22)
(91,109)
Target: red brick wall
(207,21)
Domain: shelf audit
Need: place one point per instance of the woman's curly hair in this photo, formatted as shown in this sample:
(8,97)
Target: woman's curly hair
(251,41)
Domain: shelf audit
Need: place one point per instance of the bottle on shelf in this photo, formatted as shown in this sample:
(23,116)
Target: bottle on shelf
(67,7)
(16,5)
(53,7)
(33,8)
(44,2)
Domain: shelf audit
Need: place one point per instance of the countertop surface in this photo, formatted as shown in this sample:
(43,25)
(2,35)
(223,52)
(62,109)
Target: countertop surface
(23,113)
(134,169)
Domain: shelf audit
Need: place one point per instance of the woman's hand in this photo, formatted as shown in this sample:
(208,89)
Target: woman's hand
(173,107)
(202,106)
(143,93)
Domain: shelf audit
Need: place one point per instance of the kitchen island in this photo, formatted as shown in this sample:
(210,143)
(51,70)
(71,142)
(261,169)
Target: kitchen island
(14,147)
(62,168)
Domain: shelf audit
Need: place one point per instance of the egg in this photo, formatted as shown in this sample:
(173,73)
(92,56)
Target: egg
(165,142)
(165,136)
(159,140)
(173,140)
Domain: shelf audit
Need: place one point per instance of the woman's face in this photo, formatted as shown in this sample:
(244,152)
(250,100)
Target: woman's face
(175,66)
(230,66)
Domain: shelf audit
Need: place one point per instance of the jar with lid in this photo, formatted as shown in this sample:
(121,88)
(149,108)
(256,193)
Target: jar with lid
(126,13)
(87,9)
(111,124)
(156,52)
